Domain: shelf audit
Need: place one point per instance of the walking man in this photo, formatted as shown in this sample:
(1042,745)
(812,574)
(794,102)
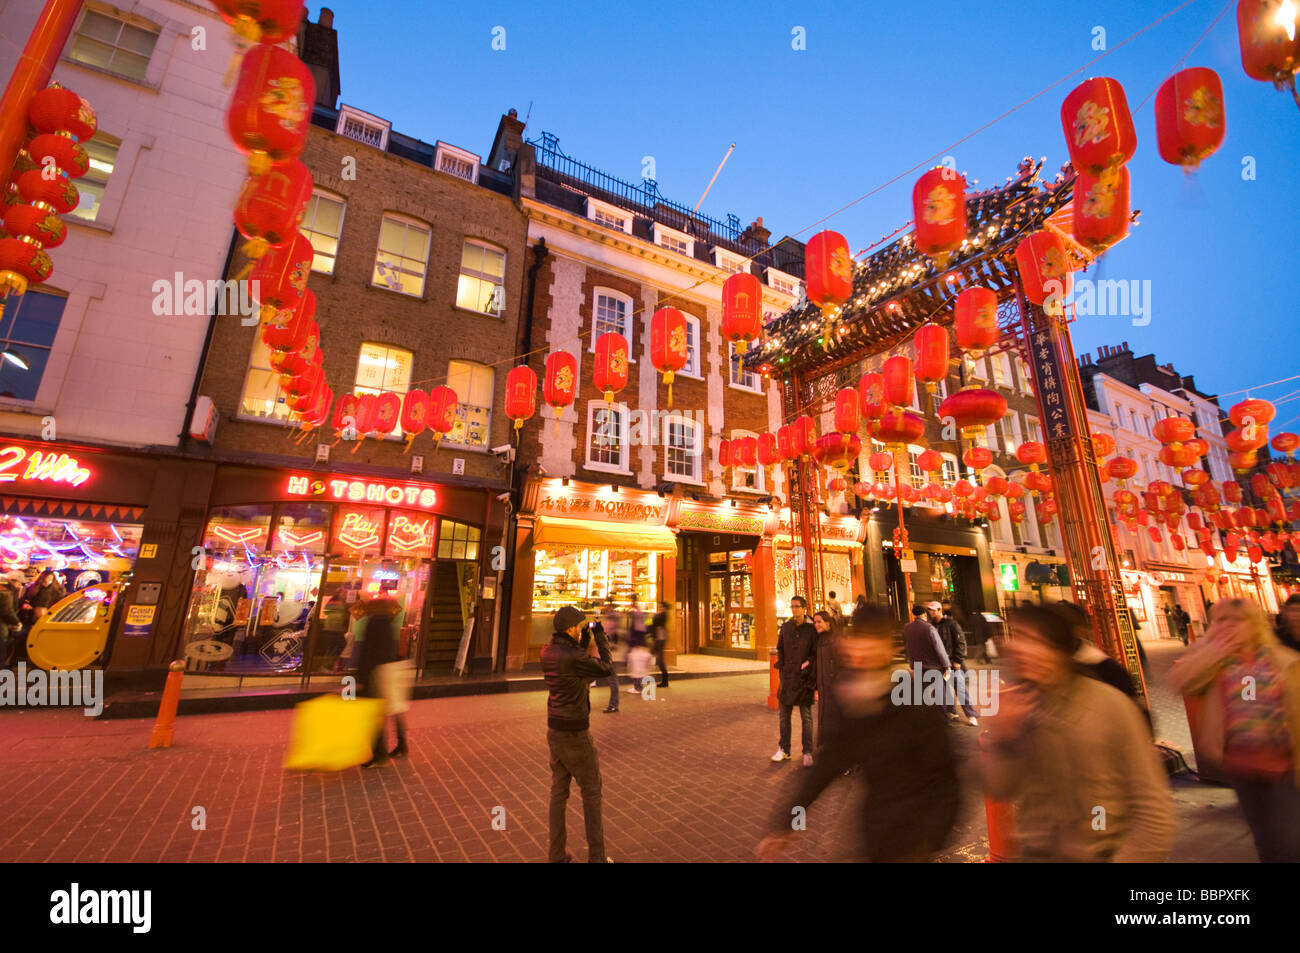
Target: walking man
(659,632)
(568,669)
(922,643)
(796,660)
(954,644)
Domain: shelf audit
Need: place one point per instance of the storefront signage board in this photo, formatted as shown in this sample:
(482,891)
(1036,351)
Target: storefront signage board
(351,490)
(625,511)
(139,621)
(721,522)
(19,465)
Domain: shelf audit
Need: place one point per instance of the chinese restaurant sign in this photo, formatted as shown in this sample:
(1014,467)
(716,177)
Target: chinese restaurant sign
(721,523)
(19,464)
(363,491)
(624,510)
(1050,385)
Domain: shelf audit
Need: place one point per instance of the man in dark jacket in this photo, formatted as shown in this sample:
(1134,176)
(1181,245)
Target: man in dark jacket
(659,632)
(796,660)
(569,669)
(922,643)
(954,644)
(903,751)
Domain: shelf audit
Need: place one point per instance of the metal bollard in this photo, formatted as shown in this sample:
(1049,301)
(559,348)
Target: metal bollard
(162,729)
(774,681)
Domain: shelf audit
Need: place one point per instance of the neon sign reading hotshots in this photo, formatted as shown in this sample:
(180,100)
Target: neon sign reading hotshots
(363,491)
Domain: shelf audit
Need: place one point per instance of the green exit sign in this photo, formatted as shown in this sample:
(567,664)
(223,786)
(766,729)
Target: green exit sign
(1010,577)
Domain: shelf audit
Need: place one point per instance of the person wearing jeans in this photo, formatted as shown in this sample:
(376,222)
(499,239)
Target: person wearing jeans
(954,644)
(568,668)
(796,660)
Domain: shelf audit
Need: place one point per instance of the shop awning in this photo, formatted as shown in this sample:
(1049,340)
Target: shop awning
(559,531)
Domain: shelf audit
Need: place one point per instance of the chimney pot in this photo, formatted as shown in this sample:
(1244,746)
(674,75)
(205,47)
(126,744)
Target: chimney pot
(1101,351)
(326,17)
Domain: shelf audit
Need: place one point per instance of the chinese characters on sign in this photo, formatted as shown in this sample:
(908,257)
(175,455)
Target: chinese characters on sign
(1050,385)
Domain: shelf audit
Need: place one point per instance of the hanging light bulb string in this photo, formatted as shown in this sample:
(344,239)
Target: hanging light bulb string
(711,279)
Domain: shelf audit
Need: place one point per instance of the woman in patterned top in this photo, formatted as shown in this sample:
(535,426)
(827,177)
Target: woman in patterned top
(1250,720)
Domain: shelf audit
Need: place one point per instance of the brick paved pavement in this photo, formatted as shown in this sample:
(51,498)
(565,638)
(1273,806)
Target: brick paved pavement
(686,779)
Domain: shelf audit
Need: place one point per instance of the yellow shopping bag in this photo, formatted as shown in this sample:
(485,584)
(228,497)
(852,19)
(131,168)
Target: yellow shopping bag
(331,733)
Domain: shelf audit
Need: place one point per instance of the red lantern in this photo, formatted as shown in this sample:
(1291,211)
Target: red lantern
(742,309)
(1254,553)
(270,206)
(862,490)
(58,194)
(1045,270)
(1270,49)
(1098,126)
(1177,542)
(388,407)
(828,271)
(262,21)
(1031,453)
(1286,443)
(280,276)
(1243,462)
(1101,208)
(783,442)
(930,461)
(270,111)
(1103,445)
(1252,411)
(668,344)
(939,209)
(963,488)
(725,456)
(931,348)
(803,436)
(977,458)
(1122,468)
(976,320)
(1189,117)
(833,451)
(521,394)
(996,486)
(415,415)
(973,409)
(345,412)
(58,110)
(1247,440)
(848,415)
(898,427)
(61,151)
(286,329)
(744,451)
(900,388)
(1176,457)
(881,461)
(443,402)
(1232,491)
(871,394)
(609,372)
(560,382)
(1197,446)
(365,415)
(769,454)
(1195,477)
(37,224)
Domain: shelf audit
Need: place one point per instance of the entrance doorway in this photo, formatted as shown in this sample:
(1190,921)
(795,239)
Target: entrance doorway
(731,600)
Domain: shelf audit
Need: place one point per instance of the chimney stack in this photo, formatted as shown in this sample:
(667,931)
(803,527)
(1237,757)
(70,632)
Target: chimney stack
(326,18)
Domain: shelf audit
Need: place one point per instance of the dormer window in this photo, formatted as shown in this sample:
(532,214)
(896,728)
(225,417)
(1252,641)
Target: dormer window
(729,261)
(458,162)
(363,127)
(780,281)
(673,240)
(610,216)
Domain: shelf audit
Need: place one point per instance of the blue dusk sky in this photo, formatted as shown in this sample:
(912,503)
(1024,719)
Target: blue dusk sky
(879,88)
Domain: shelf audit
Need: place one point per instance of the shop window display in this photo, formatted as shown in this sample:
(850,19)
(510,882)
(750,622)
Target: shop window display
(589,578)
(79,553)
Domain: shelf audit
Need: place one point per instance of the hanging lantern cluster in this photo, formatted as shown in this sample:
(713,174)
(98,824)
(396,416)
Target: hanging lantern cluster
(1251,417)
(40,188)
(1100,137)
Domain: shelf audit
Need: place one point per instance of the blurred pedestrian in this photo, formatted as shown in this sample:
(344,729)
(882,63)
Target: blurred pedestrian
(833,605)
(568,667)
(828,627)
(1184,623)
(796,660)
(612,624)
(1074,756)
(44,592)
(376,645)
(659,635)
(861,603)
(638,656)
(902,751)
(1288,623)
(1249,724)
(954,645)
(10,626)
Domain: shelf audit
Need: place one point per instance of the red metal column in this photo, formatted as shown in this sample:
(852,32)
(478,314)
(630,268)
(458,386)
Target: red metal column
(1089,545)
(32,74)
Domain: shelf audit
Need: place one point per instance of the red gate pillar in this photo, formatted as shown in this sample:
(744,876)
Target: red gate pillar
(32,74)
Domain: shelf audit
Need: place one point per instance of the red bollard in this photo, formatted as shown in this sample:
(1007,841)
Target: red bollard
(162,729)
(774,681)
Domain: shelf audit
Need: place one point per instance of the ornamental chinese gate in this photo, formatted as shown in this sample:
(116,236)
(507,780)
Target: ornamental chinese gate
(896,290)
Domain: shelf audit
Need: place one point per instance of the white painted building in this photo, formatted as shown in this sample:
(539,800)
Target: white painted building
(157,202)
